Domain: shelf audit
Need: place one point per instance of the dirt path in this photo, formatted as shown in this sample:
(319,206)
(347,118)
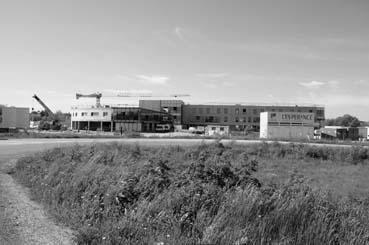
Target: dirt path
(23,221)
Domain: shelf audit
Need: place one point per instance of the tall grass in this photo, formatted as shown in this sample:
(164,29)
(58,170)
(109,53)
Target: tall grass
(118,194)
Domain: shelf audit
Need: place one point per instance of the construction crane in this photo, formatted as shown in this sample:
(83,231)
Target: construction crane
(51,121)
(47,109)
(94,95)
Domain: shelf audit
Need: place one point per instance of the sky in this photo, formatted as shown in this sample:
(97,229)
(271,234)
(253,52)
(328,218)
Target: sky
(295,51)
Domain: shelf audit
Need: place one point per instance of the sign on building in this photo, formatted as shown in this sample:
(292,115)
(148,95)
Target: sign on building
(286,125)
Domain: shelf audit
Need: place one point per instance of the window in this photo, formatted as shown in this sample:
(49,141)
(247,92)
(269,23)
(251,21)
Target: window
(209,119)
(94,114)
(225,110)
(250,118)
(207,110)
(84,114)
(197,118)
(280,110)
(218,110)
(236,119)
(311,111)
(213,128)
(201,111)
(256,119)
(237,111)
(105,113)
(225,119)
(244,110)
(174,108)
(175,117)
(221,129)
(255,112)
(244,119)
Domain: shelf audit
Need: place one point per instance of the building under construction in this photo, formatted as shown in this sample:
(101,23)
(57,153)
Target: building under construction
(153,113)
(120,119)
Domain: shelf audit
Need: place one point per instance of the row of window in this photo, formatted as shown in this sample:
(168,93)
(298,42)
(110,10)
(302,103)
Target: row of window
(239,111)
(92,114)
(212,119)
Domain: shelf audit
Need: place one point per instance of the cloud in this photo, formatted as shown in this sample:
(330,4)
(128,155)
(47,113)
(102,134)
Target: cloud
(178,31)
(130,91)
(158,80)
(312,84)
(212,75)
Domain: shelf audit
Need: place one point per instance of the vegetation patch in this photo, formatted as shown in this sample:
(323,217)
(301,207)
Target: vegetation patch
(207,194)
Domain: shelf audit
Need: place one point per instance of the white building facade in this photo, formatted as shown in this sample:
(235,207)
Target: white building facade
(286,125)
(92,118)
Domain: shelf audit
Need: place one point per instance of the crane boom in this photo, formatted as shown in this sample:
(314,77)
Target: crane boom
(47,109)
(94,95)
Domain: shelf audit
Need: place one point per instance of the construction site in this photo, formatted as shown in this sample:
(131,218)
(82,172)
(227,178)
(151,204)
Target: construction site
(169,113)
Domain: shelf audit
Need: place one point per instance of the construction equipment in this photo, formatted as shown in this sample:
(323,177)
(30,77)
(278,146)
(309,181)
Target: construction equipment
(47,109)
(50,121)
(94,95)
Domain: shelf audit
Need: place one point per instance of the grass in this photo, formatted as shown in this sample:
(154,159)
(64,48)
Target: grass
(207,194)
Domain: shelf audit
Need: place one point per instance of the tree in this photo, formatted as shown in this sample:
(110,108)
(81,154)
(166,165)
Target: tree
(345,121)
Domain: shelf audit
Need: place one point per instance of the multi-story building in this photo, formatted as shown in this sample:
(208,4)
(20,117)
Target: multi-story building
(241,116)
(237,116)
(155,112)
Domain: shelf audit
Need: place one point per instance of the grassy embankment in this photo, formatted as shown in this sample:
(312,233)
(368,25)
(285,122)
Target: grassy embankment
(116,194)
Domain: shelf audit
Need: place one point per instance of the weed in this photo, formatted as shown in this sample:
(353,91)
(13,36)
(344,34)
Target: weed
(208,194)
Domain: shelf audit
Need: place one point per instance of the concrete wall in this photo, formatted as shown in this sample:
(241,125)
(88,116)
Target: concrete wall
(14,117)
(288,132)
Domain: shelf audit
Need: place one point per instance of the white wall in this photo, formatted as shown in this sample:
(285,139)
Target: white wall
(77,114)
(264,125)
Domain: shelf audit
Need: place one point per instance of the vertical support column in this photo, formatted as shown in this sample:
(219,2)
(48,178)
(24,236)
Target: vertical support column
(78,125)
(101,126)
(111,126)
(88,126)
